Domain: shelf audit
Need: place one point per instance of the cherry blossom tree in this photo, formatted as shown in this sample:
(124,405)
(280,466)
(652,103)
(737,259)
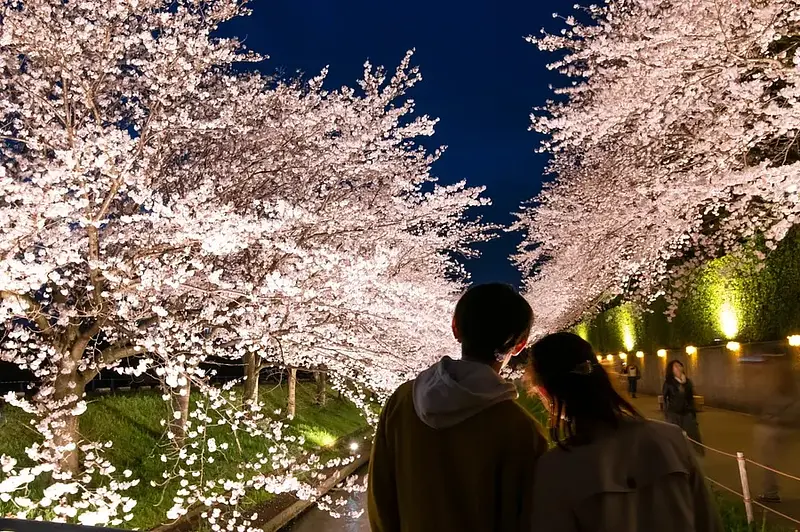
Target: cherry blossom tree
(156,203)
(675,142)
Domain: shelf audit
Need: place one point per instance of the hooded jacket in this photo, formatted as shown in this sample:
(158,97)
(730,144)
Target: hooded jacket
(453,451)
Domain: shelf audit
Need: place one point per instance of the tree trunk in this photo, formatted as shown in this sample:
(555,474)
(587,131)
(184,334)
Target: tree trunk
(292,402)
(321,397)
(252,366)
(180,403)
(63,423)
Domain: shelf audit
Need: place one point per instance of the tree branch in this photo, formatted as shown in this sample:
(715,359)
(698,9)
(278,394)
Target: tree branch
(33,310)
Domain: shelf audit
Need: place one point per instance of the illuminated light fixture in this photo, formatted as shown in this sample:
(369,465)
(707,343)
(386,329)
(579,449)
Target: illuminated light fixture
(691,350)
(794,340)
(728,321)
(733,346)
(639,354)
(599,358)
(628,339)
(662,353)
(623,356)
(354,446)
(610,358)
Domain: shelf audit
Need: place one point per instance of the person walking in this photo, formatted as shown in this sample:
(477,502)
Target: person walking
(779,414)
(633,379)
(611,469)
(453,451)
(679,404)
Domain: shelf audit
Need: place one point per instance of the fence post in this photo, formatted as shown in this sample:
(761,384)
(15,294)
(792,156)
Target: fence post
(748,502)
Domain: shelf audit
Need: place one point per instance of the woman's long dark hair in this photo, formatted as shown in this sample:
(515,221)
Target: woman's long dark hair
(565,365)
(670,374)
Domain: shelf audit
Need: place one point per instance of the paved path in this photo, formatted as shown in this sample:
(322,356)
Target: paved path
(724,430)
(733,432)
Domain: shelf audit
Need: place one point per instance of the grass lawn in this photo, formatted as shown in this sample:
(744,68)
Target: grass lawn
(132,422)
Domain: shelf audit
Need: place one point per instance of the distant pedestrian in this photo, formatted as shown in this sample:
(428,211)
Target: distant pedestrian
(779,414)
(453,450)
(633,379)
(679,404)
(611,470)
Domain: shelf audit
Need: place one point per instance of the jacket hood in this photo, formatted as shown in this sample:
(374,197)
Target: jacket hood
(452,391)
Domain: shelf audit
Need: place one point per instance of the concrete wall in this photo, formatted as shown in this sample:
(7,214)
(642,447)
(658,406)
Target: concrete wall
(738,381)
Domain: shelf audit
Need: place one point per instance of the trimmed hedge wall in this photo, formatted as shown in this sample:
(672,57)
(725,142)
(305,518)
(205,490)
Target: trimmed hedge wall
(747,300)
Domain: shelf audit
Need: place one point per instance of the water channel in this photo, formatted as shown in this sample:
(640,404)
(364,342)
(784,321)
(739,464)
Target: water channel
(316,520)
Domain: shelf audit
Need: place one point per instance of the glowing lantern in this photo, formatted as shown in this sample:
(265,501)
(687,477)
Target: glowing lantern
(691,350)
(733,346)
(623,356)
(610,358)
(794,340)
(639,354)
(662,353)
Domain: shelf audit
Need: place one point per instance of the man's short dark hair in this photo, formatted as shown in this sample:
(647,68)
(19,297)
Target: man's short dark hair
(491,319)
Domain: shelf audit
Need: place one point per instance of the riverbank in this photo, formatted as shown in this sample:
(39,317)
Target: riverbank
(132,422)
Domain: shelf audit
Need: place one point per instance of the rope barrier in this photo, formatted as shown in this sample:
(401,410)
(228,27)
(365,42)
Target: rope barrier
(739,495)
(787,475)
(723,453)
(736,493)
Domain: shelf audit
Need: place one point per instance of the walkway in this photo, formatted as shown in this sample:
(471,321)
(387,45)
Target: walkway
(733,432)
(727,431)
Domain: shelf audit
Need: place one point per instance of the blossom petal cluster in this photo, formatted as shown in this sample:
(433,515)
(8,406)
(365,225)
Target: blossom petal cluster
(160,206)
(675,141)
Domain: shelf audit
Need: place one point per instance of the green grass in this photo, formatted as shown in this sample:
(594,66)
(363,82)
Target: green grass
(734,517)
(132,422)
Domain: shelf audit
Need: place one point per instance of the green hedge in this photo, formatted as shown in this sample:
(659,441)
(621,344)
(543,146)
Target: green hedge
(748,300)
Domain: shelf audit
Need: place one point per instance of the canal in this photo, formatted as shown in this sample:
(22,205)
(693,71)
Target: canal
(316,520)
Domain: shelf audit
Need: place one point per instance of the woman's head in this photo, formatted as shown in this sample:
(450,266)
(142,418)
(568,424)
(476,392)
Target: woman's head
(491,320)
(675,370)
(581,393)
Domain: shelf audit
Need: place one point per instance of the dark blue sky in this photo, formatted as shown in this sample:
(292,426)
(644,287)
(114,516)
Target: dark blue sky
(479,77)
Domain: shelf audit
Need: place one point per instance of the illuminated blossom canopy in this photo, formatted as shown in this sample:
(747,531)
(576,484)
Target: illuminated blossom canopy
(156,203)
(675,142)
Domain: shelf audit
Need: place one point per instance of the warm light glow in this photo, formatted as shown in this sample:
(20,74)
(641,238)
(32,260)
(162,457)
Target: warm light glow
(733,346)
(599,358)
(623,356)
(627,339)
(610,358)
(794,340)
(354,446)
(639,354)
(691,350)
(728,321)
(662,353)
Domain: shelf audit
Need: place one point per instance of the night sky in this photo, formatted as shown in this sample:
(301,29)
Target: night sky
(480,78)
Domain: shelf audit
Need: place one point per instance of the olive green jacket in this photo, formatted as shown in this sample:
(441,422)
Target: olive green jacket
(473,476)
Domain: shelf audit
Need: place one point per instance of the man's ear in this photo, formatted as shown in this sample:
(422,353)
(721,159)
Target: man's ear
(455,330)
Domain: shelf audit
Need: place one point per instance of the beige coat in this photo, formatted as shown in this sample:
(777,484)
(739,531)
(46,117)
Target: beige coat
(643,477)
